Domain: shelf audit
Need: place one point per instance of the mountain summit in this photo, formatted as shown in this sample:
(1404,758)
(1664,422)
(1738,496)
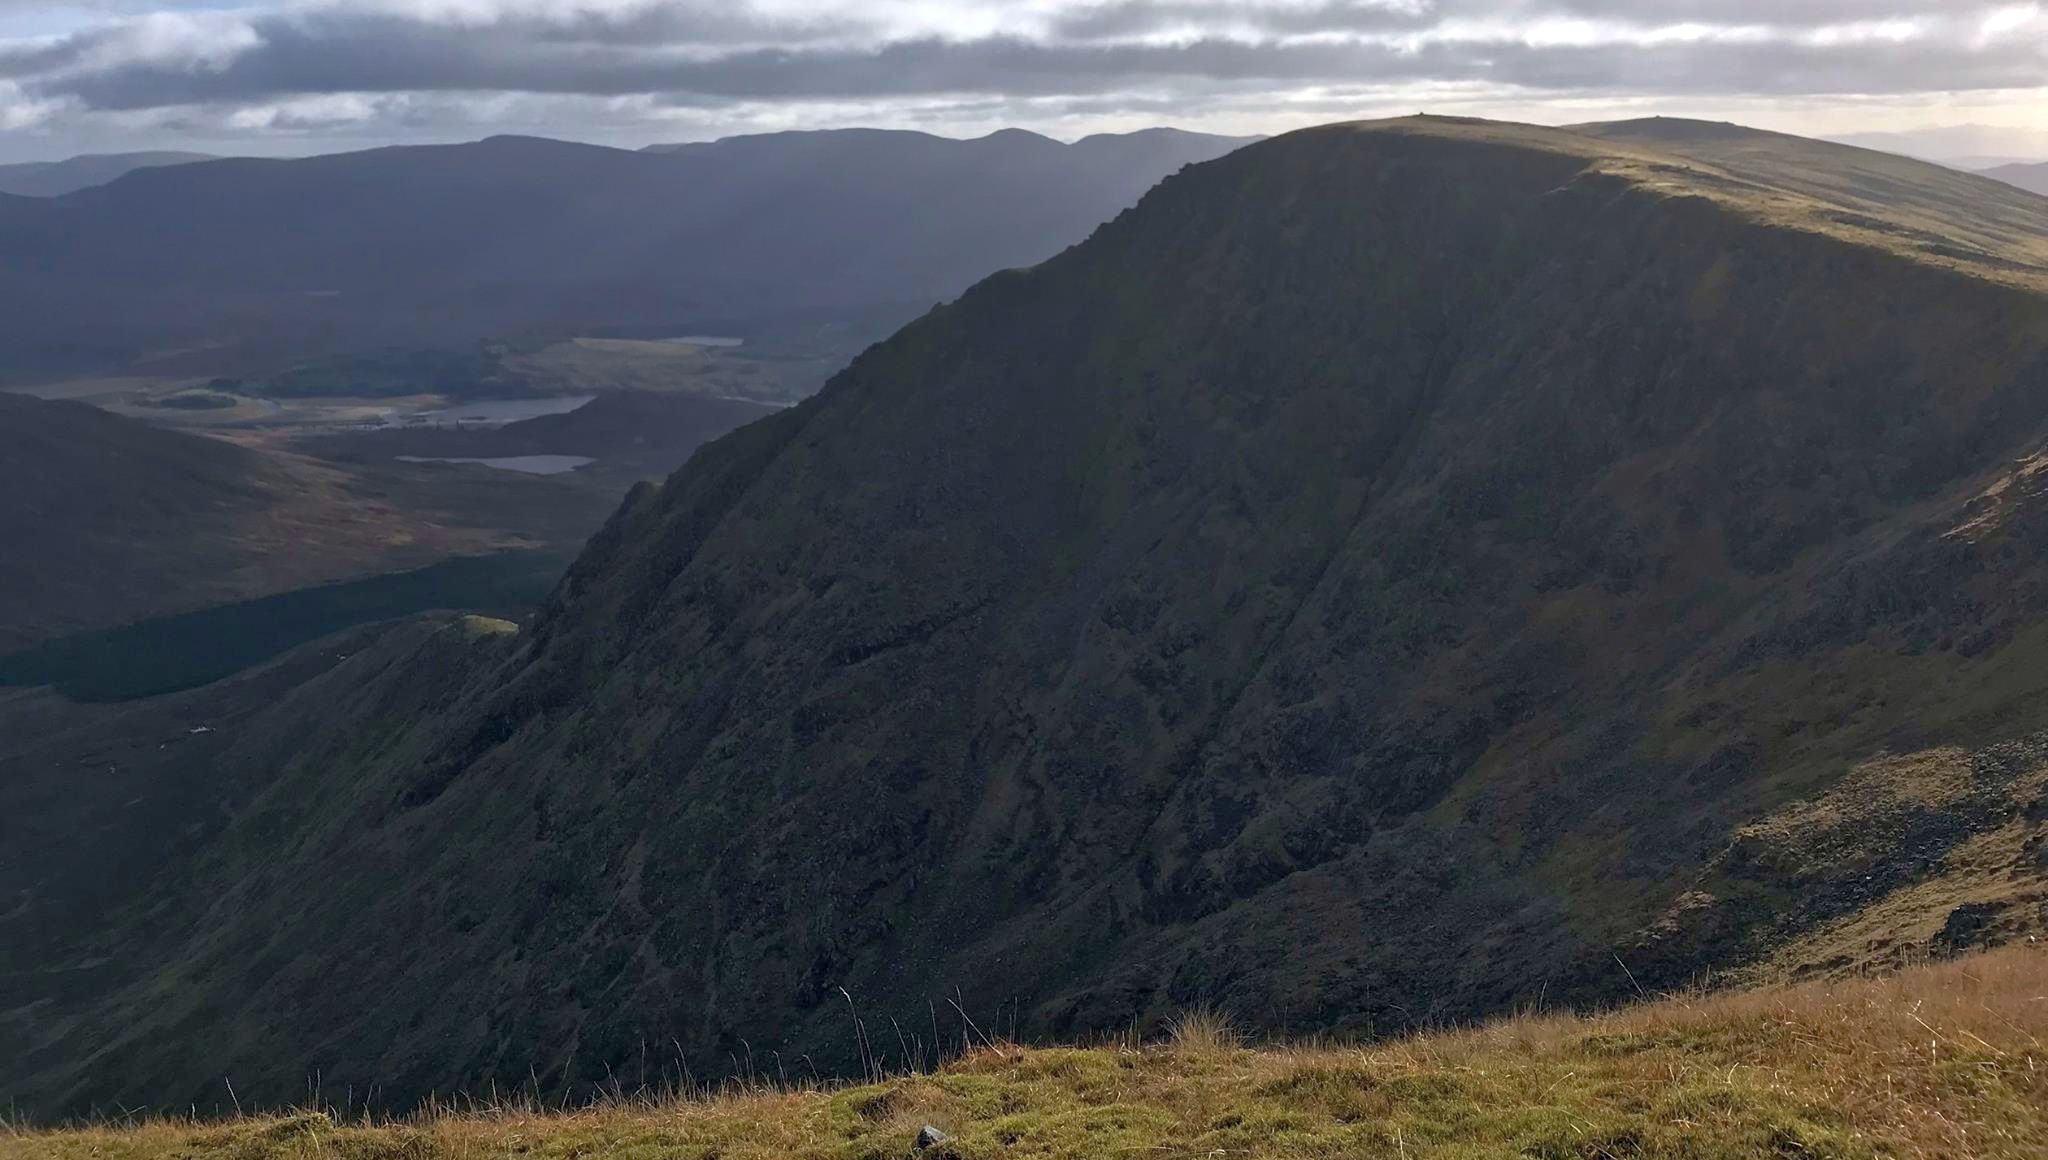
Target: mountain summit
(1396,573)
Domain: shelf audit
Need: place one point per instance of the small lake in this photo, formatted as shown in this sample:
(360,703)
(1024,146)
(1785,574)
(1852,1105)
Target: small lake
(491,412)
(524,464)
(704,340)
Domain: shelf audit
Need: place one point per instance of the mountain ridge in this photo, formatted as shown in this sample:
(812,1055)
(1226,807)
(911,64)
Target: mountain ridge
(1395,573)
(448,245)
(1156,132)
(56,178)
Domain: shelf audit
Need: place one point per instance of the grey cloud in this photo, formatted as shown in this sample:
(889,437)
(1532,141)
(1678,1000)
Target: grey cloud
(709,62)
(698,22)
(356,53)
(1132,18)
(1784,13)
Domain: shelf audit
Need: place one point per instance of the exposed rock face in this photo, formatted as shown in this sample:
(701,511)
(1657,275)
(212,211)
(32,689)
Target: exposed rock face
(1968,926)
(1392,574)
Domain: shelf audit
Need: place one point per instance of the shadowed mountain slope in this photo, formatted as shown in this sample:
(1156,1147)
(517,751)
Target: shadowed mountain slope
(448,244)
(94,796)
(1398,572)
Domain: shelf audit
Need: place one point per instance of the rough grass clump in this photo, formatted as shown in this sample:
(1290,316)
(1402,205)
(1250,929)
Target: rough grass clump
(1939,1061)
(1205,1032)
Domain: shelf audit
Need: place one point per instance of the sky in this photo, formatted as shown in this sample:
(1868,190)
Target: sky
(1955,80)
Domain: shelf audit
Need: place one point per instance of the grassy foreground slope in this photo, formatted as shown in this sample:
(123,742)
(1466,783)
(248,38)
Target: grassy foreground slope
(1949,1061)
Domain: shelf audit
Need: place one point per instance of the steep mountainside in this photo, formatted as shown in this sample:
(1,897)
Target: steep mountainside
(108,520)
(1397,572)
(2033,178)
(92,796)
(54,178)
(454,243)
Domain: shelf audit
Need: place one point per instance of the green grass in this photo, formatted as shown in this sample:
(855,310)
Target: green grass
(1938,1061)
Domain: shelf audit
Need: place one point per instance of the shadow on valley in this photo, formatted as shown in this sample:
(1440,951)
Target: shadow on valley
(172,653)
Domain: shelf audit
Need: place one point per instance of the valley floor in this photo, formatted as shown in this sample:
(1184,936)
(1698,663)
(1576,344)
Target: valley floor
(1949,1060)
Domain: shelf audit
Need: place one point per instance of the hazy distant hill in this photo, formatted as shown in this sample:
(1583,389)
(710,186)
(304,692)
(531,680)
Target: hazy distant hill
(2028,177)
(450,243)
(1396,573)
(52,178)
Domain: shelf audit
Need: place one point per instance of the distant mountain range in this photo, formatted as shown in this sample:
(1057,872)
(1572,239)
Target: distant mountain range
(54,178)
(1396,573)
(256,259)
(2032,177)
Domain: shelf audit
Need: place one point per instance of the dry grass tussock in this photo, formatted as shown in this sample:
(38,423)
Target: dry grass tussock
(1949,1060)
(1205,1033)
